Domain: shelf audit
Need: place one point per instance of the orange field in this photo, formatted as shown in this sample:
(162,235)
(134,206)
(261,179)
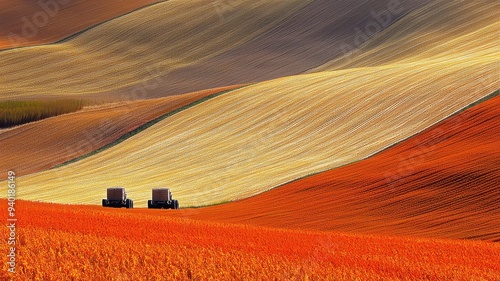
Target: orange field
(63,242)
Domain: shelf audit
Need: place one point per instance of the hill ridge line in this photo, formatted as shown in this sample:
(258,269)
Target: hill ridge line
(76,34)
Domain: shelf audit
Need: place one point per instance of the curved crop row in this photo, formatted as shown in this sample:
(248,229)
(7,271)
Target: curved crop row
(439,29)
(136,50)
(28,23)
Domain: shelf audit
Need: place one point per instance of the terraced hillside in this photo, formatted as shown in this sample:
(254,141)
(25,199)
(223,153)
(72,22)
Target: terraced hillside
(440,183)
(53,141)
(136,50)
(28,23)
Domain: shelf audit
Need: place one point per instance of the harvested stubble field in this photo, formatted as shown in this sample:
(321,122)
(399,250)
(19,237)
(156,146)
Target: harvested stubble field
(269,133)
(127,51)
(375,214)
(253,139)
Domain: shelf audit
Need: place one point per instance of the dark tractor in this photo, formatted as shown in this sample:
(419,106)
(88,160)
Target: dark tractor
(117,198)
(162,199)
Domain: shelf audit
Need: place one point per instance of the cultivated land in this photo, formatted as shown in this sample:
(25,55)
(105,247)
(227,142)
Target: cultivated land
(442,182)
(371,167)
(61,242)
(54,141)
(299,43)
(261,136)
(28,23)
(436,31)
(127,51)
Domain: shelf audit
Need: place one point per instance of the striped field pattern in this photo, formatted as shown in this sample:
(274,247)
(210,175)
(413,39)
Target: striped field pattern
(442,183)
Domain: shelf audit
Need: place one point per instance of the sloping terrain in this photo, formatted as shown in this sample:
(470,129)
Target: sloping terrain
(27,23)
(262,136)
(53,141)
(256,138)
(443,183)
(136,50)
(61,242)
(310,37)
(405,151)
(438,30)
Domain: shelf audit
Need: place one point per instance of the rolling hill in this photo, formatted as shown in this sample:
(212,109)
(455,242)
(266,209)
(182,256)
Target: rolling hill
(442,183)
(438,30)
(308,38)
(53,141)
(365,147)
(136,50)
(256,138)
(28,23)
(253,139)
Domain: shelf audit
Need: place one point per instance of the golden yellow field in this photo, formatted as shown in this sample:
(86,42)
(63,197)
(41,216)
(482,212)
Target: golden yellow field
(439,30)
(264,135)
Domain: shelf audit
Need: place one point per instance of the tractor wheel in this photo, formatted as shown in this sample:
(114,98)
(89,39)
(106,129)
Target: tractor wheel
(129,204)
(105,202)
(150,204)
(176,204)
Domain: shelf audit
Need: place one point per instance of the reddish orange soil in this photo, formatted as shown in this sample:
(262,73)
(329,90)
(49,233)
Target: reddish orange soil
(443,182)
(26,23)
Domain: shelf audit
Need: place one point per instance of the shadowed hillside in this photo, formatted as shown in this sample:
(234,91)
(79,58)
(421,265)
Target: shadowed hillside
(436,31)
(258,137)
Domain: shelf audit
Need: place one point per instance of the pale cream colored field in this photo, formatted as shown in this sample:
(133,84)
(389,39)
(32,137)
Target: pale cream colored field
(128,50)
(42,145)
